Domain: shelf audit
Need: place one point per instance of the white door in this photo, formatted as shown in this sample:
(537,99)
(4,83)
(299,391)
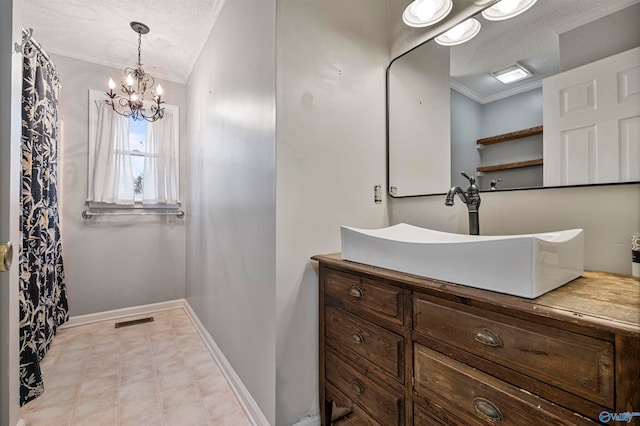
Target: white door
(10,86)
(592,122)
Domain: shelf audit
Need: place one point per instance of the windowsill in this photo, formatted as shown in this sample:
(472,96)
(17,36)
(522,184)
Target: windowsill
(137,206)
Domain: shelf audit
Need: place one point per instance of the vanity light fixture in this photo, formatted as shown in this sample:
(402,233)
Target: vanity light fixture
(506,9)
(512,74)
(134,87)
(422,13)
(459,34)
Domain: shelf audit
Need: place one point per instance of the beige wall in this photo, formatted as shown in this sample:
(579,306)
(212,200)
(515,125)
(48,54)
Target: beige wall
(608,214)
(332,56)
(111,262)
(611,34)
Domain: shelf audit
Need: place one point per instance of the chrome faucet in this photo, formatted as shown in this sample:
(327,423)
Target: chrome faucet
(471,197)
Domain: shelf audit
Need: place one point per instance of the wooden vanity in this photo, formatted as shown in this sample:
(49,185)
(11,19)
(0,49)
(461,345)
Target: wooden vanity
(399,349)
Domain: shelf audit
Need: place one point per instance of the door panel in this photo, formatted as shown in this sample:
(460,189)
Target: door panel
(592,121)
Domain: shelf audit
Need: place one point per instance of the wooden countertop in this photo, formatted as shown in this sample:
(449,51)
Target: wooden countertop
(600,300)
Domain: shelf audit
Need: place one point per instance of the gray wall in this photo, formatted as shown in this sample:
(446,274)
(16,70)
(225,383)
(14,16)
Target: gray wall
(510,114)
(112,262)
(466,124)
(513,113)
(601,38)
(231,246)
(332,56)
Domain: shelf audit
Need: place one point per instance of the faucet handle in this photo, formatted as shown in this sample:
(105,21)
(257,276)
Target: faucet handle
(494,183)
(472,180)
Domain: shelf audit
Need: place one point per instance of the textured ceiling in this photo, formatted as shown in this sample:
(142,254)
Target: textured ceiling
(530,38)
(98,31)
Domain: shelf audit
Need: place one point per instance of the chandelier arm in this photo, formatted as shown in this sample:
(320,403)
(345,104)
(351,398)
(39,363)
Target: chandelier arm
(124,113)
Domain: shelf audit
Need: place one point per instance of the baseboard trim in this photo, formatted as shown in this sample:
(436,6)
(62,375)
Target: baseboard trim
(309,421)
(77,320)
(249,405)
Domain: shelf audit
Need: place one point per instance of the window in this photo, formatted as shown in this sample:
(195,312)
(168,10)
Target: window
(137,141)
(132,163)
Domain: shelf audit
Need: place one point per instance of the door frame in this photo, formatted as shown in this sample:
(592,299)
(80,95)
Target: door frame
(10,163)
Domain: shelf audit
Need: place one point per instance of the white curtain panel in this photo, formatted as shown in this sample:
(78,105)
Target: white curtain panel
(112,174)
(161,163)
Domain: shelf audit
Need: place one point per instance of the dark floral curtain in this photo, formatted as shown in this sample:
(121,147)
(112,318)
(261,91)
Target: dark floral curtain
(43,295)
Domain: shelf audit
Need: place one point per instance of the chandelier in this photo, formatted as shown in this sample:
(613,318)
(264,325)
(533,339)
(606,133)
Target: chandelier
(134,87)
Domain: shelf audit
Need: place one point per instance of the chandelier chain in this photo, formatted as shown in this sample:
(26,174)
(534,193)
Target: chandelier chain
(139,49)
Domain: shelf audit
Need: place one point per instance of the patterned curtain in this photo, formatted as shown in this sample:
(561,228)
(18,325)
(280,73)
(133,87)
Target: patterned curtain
(43,295)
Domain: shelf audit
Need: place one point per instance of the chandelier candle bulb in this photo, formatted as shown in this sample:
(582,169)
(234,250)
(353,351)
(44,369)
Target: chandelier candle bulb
(112,84)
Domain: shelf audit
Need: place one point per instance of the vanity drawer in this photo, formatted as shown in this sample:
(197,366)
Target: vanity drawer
(363,295)
(575,363)
(422,417)
(375,344)
(479,399)
(383,404)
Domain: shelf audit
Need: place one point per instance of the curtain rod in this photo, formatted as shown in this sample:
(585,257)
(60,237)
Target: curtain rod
(87,214)
(27,38)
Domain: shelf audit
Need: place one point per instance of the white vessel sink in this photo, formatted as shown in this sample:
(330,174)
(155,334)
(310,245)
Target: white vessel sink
(521,265)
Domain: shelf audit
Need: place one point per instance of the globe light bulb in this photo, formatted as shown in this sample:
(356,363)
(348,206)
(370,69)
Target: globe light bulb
(112,84)
(507,6)
(134,97)
(425,10)
(457,32)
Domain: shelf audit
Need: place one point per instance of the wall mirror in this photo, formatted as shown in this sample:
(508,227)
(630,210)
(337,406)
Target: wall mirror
(447,113)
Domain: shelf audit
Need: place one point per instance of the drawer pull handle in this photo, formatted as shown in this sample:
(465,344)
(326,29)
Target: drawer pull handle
(355,292)
(357,338)
(357,388)
(487,337)
(487,409)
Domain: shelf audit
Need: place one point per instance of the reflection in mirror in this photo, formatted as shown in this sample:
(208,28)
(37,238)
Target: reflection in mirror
(551,37)
(421,160)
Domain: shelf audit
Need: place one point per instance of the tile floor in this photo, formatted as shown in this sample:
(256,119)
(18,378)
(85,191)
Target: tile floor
(158,373)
